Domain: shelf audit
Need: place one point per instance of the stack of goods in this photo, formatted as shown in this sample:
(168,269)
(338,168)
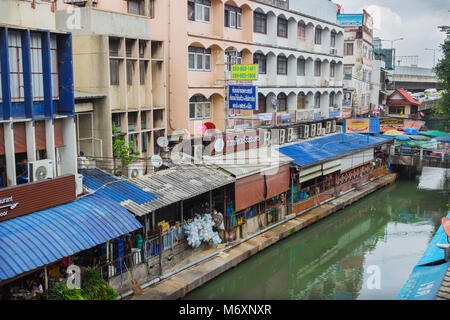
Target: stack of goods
(201,229)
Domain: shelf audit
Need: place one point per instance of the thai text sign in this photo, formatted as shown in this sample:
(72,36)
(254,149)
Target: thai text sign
(242,97)
(350,20)
(357,125)
(244,72)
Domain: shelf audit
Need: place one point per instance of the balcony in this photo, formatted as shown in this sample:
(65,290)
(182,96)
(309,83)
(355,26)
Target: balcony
(304,115)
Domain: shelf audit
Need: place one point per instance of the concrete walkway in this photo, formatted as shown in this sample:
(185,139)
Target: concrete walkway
(181,283)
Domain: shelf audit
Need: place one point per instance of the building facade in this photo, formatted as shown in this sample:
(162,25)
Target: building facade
(358,63)
(36,98)
(119,61)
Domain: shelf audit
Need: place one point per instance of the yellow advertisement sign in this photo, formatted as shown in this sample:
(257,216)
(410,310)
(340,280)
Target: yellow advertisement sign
(357,125)
(244,72)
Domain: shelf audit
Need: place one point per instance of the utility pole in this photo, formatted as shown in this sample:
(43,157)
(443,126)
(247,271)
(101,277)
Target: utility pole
(434,55)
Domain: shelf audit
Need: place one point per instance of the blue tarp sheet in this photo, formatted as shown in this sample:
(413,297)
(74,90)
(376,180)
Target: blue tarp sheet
(322,149)
(43,237)
(117,191)
(425,281)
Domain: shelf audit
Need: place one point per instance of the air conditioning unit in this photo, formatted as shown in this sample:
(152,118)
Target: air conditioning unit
(305,134)
(328,127)
(319,129)
(333,52)
(79,184)
(323,131)
(135,170)
(313,130)
(333,126)
(40,170)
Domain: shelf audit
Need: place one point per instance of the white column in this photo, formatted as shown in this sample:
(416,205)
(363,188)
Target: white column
(68,153)
(50,141)
(272,29)
(325,104)
(9,153)
(31,141)
(292,101)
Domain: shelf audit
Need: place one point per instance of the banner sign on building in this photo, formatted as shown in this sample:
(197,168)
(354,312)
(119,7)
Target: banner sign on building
(350,20)
(242,97)
(357,125)
(244,72)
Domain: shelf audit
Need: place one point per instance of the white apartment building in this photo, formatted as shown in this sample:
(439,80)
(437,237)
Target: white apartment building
(299,51)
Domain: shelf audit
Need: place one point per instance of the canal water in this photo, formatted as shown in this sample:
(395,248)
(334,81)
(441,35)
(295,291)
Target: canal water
(365,251)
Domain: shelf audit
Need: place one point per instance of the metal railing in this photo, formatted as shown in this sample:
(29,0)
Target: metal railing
(169,240)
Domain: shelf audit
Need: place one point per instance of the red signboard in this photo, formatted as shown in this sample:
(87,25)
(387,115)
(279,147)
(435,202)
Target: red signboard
(27,198)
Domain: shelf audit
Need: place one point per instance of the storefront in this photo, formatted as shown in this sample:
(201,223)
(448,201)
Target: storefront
(259,195)
(327,166)
(39,247)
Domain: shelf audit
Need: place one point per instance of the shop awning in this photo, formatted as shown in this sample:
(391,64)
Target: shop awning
(324,149)
(43,237)
(176,184)
(116,189)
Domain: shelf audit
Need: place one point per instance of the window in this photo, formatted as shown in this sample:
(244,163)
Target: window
(332,69)
(152,9)
(318,36)
(36,66)
(348,49)
(301,31)
(282,65)
(142,67)
(259,22)
(113,47)
(261,61)
(396,110)
(282,28)
(317,67)
(348,73)
(199,10)
(261,104)
(199,107)
(129,72)
(332,96)
(199,59)
(136,7)
(333,40)
(144,142)
(233,17)
(114,71)
(15,65)
(232,57)
(317,100)
(300,67)
(282,102)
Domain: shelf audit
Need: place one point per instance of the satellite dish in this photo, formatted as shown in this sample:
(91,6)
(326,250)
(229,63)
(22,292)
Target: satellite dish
(274,102)
(156,161)
(219,144)
(162,142)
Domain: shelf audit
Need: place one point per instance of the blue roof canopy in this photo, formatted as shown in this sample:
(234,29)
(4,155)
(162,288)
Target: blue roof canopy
(322,149)
(43,237)
(118,191)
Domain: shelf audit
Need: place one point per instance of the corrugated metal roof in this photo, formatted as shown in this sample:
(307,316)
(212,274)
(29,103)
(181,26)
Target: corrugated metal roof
(244,163)
(326,148)
(114,188)
(42,237)
(176,184)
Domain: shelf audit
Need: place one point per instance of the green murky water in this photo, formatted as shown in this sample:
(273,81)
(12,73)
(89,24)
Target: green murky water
(365,251)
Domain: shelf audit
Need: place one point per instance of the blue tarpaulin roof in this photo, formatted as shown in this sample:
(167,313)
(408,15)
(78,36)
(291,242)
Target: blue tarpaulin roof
(322,149)
(118,191)
(42,237)
(425,280)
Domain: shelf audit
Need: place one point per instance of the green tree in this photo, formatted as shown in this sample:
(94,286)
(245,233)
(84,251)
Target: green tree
(442,69)
(121,151)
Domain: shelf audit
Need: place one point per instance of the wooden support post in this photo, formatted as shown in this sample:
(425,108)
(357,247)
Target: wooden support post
(421,154)
(160,250)
(46,278)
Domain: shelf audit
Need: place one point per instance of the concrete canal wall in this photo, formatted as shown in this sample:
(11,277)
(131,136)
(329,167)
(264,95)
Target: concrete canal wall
(179,284)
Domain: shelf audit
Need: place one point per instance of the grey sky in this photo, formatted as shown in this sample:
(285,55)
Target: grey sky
(414,20)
